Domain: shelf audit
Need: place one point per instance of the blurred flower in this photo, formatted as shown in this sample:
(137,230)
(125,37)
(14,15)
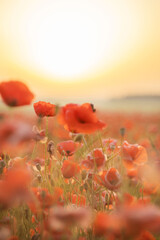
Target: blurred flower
(110,144)
(133,155)
(70,169)
(39,135)
(95,159)
(139,217)
(5,233)
(68,148)
(61,218)
(107,225)
(14,186)
(15,131)
(145,235)
(15,93)
(112,179)
(80,118)
(43,199)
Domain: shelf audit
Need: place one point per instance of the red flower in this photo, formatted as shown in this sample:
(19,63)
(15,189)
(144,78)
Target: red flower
(107,225)
(110,144)
(95,159)
(67,148)
(44,109)
(70,169)
(15,93)
(133,155)
(112,179)
(80,118)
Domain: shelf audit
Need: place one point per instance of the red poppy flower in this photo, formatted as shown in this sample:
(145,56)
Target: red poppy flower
(133,155)
(80,118)
(67,148)
(107,225)
(70,169)
(44,109)
(15,93)
(110,144)
(112,179)
(95,159)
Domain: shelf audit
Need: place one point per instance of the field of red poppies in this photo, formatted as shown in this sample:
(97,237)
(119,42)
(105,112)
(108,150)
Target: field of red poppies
(74,173)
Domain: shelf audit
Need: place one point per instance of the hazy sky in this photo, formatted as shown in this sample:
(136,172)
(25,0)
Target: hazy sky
(81,48)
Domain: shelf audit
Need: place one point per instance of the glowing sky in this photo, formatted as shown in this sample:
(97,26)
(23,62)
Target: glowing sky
(85,48)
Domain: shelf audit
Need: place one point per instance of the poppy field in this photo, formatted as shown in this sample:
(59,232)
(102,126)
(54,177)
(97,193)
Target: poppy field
(73,172)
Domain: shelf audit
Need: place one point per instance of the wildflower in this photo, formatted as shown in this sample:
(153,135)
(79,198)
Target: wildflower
(133,155)
(107,225)
(139,217)
(15,93)
(44,199)
(70,169)
(112,179)
(15,131)
(14,186)
(80,118)
(44,109)
(67,148)
(95,159)
(110,144)
(61,218)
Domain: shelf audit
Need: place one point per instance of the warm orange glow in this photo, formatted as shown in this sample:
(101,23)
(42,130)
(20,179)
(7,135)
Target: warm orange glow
(103,43)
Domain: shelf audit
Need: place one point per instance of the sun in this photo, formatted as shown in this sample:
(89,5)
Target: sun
(71,39)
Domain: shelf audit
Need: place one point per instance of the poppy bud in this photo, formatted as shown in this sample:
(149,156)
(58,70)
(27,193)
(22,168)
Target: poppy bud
(84,174)
(39,178)
(38,166)
(78,138)
(50,148)
(122,131)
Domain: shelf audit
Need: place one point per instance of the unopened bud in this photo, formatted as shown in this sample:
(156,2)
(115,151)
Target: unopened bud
(43,194)
(78,138)
(38,166)
(50,148)
(39,178)
(84,174)
(122,131)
